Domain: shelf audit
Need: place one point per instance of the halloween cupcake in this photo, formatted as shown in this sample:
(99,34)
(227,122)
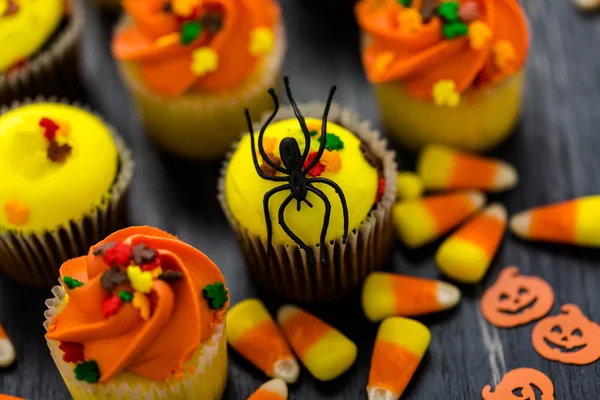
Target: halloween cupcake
(448,72)
(65,175)
(310,199)
(141,316)
(193,65)
(39,48)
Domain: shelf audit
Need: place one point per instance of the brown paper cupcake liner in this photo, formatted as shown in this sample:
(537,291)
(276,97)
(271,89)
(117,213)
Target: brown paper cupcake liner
(34,259)
(51,72)
(290,275)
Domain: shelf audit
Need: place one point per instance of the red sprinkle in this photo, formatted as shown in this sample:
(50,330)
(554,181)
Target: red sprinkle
(150,266)
(318,169)
(111,305)
(380,189)
(73,351)
(50,128)
(119,255)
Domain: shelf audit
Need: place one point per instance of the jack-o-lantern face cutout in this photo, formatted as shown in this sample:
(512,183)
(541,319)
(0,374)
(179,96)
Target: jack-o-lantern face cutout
(516,299)
(569,338)
(518,384)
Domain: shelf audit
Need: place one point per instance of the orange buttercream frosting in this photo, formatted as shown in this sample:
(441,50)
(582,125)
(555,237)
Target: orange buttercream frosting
(467,42)
(206,45)
(148,319)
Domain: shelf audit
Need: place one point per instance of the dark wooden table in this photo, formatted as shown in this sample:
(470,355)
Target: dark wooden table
(556,152)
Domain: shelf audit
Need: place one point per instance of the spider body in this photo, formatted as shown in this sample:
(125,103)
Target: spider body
(294,174)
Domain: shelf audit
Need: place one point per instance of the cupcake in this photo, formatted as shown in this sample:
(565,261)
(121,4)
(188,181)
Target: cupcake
(446,72)
(313,220)
(140,317)
(40,55)
(192,66)
(65,176)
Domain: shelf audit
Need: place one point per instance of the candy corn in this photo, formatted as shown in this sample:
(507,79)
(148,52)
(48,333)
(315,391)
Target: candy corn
(467,254)
(275,389)
(399,348)
(252,332)
(386,295)
(7,351)
(420,221)
(587,5)
(324,350)
(575,222)
(444,168)
(408,185)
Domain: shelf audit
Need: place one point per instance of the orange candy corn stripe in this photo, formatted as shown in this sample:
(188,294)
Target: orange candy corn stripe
(275,389)
(7,351)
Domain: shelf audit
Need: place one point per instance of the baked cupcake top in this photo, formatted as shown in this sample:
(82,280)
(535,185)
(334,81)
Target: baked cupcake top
(206,45)
(58,162)
(442,48)
(25,25)
(141,301)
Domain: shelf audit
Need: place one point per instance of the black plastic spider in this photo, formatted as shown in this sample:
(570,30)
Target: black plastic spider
(296,181)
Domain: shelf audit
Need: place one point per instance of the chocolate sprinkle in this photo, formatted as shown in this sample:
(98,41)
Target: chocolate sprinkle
(102,249)
(212,22)
(141,254)
(428,9)
(369,156)
(170,275)
(267,169)
(58,152)
(113,277)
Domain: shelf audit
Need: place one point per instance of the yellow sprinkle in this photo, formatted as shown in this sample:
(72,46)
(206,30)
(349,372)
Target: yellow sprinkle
(409,21)
(504,55)
(204,60)
(383,61)
(167,40)
(445,94)
(142,303)
(479,34)
(141,281)
(16,213)
(332,160)
(185,8)
(408,185)
(156,272)
(262,41)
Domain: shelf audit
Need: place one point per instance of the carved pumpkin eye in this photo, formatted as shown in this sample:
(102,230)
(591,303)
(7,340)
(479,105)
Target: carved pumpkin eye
(518,392)
(503,297)
(556,329)
(577,332)
(523,291)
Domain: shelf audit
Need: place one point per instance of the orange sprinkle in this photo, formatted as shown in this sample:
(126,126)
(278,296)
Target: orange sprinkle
(16,213)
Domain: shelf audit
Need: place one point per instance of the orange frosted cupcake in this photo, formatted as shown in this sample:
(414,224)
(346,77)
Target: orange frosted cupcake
(193,65)
(448,72)
(141,316)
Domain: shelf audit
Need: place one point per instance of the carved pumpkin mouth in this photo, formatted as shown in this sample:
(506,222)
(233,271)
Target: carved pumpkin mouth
(520,309)
(562,348)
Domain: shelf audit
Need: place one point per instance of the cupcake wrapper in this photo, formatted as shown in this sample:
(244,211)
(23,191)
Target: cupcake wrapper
(34,259)
(206,381)
(52,72)
(290,275)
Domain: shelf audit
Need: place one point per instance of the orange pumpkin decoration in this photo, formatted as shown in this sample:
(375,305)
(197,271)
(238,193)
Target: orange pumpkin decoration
(569,338)
(518,384)
(516,299)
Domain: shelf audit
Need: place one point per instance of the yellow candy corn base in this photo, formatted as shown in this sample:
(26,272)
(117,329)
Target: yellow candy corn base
(206,382)
(204,125)
(484,118)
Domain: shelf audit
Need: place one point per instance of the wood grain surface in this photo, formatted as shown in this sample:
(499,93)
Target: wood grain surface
(555,150)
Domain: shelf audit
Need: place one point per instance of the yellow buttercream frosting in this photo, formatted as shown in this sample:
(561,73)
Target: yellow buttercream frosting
(24,32)
(39,194)
(245,189)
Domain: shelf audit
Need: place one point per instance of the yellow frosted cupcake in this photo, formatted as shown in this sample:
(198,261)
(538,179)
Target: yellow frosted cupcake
(193,65)
(39,53)
(140,317)
(313,219)
(65,174)
(447,72)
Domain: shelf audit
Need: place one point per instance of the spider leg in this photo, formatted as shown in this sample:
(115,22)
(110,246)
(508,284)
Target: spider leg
(266,199)
(323,133)
(292,235)
(261,148)
(340,193)
(259,171)
(325,219)
(308,203)
(298,205)
(301,121)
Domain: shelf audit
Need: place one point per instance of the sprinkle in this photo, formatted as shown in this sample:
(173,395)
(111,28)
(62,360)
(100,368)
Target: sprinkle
(410,21)
(184,8)
(204,61)
(333,142)
(87,371)
(111,305)
(428,9)
(156,272)
(190,32)
(454,30)
(58,152)
(504,55)
(469,12)
(448,11)
(100,250)
(262,41)
(332,160)
(168,40)
(125,295)
(445,94)
(113,277)
(140,281)
(141,254)
(12,8)
(16,213)
(380,189)
(313,133)
(50,128)
(216,295)
(212,22)
(142,303)
(383,60)
(73,352)
(119,254)
(72,283)
(170,275)
(151,265)
(405,3)
(267,169)
(269,144)
(318,169)
(479,35)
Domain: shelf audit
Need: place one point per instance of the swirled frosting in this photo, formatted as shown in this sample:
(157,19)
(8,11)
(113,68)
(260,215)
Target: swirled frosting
(207,45)
(424,42)
(154,336)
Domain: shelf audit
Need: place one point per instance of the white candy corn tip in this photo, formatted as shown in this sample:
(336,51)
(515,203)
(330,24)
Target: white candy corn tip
(520,223)
(381,394)
(477,199)
(448,295)
(7,353)
(287,370)
(497,211)
(285,312)
(587,4)
(506,177)
(276,386)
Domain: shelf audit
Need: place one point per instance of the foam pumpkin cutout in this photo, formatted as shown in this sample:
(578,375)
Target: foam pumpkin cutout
(519,384)
(569,337)
(516,299)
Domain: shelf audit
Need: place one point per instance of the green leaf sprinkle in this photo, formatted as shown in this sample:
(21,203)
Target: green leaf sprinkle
(71,283)
(449,11)
(333,142)
(454,30)
(216,295)
(190,31)
(125,295)
(87,371)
